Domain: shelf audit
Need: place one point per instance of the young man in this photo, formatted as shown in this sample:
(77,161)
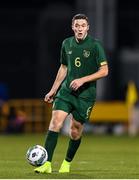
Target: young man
(83,62)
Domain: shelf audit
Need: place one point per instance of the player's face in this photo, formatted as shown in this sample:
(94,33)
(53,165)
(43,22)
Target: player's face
(80,28)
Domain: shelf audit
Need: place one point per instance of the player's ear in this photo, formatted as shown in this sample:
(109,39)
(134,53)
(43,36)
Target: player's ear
(72,27)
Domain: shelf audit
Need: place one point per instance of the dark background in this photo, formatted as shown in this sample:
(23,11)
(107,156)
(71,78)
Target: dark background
(31,33)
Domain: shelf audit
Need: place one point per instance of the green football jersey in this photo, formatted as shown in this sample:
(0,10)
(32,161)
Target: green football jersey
(82,59)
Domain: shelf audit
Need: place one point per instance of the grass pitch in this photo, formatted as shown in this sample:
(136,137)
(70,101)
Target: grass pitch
(99,157)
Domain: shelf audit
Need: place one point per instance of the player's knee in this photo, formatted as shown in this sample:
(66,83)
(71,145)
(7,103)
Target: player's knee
(55,125)
(75,134)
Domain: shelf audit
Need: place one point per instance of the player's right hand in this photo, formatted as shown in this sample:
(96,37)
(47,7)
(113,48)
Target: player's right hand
(49,97)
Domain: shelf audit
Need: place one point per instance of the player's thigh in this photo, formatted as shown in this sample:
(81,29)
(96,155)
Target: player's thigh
(58,117)
(60,111)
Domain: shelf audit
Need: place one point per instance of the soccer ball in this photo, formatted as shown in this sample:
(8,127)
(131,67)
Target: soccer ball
(36,155)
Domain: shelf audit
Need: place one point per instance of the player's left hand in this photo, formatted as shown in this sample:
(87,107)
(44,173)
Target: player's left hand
(75,84)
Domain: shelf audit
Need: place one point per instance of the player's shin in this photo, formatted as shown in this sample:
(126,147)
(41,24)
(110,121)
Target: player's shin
(50,143)
(72,149)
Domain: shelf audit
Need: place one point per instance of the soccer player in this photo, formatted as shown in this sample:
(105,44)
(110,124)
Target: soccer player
(83,61)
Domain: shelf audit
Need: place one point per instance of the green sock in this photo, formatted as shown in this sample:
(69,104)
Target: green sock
(50,143)
(73,146)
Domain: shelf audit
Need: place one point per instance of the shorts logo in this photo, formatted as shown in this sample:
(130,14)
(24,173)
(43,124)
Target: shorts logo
(86,53)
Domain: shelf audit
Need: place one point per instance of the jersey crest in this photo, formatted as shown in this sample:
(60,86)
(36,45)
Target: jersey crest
(86,53)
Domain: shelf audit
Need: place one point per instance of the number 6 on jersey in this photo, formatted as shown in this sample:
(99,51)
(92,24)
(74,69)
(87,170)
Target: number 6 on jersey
(77,62)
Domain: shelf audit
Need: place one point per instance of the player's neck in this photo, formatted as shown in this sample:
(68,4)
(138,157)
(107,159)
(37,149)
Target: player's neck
(79,40)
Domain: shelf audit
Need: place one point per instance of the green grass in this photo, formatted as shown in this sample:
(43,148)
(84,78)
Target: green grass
(99,157)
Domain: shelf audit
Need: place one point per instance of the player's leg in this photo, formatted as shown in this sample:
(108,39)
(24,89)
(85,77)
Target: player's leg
(74,143)
(80,116)
(60,111)
(56,123)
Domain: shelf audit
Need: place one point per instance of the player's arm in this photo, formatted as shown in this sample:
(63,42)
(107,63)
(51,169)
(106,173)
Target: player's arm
(102,72)
(62,72)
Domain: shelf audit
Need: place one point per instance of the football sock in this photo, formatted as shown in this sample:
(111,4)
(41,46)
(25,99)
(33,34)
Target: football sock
(50,143)
(72,148)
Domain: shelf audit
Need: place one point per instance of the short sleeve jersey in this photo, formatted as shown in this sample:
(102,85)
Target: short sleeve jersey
(82,59)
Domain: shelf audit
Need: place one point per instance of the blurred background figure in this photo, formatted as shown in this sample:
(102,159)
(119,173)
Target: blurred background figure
(16,121)
(4,92)
(4,95)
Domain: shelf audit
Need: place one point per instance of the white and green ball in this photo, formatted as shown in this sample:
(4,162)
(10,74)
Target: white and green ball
(36,155)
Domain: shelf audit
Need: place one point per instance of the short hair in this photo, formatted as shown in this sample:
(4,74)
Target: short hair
(80,16)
